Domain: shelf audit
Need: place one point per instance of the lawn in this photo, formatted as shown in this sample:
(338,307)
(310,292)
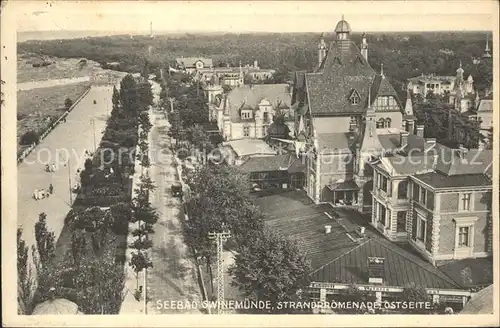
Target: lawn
(58,69)
(34,106)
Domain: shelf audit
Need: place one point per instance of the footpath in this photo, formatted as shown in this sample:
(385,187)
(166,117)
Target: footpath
(173,277)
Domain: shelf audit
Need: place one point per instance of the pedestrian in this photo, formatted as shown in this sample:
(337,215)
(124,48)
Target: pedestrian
(51,188)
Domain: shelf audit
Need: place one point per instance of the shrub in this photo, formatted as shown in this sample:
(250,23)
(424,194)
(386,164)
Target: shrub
(29,138)
(121,214)
(68,103)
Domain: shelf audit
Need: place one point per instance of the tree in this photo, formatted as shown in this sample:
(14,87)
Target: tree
(68,103)
(447,125)
(271,267)
(145,70)
(129,95)
(99,285)
(145,95)
(139,262)
(25,277)
(78,245)
(45,240)
(28,138)
(116,97)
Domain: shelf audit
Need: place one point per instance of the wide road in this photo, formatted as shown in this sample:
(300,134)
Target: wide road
(70,139)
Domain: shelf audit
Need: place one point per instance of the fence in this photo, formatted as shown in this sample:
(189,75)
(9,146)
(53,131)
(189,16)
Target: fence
(49,129)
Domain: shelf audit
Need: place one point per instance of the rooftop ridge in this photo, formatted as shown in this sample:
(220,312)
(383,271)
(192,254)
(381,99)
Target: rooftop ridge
(335,259)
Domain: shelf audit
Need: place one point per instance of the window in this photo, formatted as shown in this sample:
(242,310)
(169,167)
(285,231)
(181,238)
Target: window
(465,202)
(421,228)
(354,98)
(463,237)
(246,131)
(403,190)
(401,222)
(380,123)
(381,213)
(423,196)
(387,123)
(246,115)
(266,116)
(382,183)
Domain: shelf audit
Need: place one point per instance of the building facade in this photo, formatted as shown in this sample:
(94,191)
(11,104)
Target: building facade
(249,111)
(435,198)
(338,107)
(191,65)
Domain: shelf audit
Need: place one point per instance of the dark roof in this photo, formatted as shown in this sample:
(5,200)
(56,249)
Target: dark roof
(438,180)
(401,268)
(293,214)
(343,70)
(382,87)
(267,163)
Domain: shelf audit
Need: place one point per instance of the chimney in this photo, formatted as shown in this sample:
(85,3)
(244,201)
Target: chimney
(403,140)
(328,229)
(255,64)
(420,131)
(362,230)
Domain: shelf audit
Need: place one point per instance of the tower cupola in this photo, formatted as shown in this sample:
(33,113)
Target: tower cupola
(342,29)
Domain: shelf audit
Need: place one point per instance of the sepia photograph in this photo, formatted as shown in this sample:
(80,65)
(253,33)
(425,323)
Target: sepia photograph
(240,161)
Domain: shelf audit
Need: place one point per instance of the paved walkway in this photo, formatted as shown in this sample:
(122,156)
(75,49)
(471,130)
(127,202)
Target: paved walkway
(70,139)
(173,276)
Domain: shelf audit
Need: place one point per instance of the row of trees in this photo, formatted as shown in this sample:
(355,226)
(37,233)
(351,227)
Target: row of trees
(89,268)
(143,213)
(190,113)
(268,266)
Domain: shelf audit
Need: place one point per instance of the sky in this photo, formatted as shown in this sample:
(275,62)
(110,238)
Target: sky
(257,16)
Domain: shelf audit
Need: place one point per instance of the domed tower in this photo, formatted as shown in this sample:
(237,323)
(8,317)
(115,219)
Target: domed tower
(342,30)
(321,50)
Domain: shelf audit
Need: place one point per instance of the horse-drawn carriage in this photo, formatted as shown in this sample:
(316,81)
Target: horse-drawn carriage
(40,194)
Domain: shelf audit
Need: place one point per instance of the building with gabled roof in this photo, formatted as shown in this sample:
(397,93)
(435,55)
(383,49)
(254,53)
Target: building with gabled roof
(339,107)
(436,198)
(340,249)
(249,110)
(192,64)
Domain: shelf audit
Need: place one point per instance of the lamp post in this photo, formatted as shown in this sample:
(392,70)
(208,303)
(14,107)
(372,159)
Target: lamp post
(93,132)
(69,181)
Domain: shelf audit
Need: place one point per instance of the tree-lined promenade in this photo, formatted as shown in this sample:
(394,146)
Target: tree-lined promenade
(268,266)
(85,264)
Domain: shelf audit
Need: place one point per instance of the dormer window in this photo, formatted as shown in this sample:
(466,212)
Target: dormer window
(246,114)
(354,98)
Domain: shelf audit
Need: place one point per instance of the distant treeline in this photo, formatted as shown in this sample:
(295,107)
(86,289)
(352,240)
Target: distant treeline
(404,55)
